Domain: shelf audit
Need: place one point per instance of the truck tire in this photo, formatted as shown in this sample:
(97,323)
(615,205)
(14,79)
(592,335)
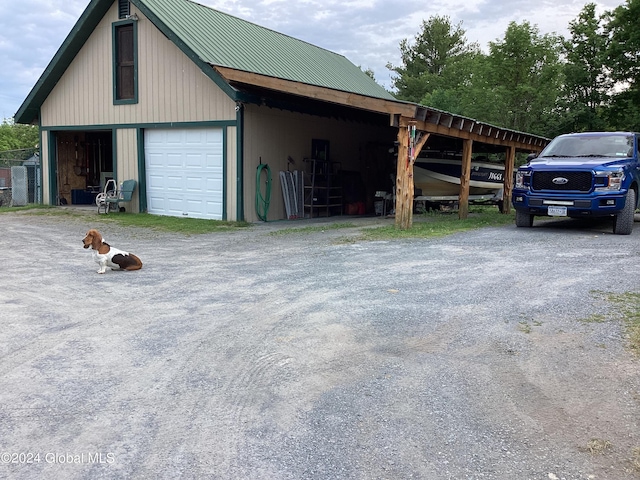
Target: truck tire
(623,222)
(523,219)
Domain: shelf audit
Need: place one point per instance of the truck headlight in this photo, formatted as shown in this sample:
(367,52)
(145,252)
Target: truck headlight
(523,179)
(609,181)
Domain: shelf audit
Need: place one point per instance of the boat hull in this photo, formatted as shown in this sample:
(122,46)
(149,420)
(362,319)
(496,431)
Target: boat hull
(441,177)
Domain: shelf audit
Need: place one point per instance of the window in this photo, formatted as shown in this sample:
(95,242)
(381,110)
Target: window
(125,68)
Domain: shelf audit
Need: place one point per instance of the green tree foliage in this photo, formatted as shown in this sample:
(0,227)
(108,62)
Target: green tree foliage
(16,137)
(525,73)
(530,82)
(434,63)
(623,60)
(585,92)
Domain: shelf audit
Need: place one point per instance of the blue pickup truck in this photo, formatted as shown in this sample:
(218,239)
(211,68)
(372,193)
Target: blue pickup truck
(579,175)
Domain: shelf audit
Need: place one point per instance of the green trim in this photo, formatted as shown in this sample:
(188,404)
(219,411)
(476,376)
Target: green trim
(224,173)
(240,162)
(142,172)
(114,58)
(111,126)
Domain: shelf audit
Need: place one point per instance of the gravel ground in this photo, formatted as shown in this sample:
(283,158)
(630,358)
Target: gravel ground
(248,355)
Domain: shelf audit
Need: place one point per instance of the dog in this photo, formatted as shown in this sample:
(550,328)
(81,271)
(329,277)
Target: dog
(107,256)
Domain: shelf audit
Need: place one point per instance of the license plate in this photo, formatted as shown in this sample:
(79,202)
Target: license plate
(557,211)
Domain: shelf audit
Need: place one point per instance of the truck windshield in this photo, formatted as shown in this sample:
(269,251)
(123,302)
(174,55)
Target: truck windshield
(617,146)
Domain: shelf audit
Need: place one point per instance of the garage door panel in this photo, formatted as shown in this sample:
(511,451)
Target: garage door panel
(185,172)
(174,160)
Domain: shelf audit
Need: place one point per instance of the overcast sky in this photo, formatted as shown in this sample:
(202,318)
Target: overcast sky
(367,32)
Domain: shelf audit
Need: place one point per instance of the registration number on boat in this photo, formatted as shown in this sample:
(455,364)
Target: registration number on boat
(557,211)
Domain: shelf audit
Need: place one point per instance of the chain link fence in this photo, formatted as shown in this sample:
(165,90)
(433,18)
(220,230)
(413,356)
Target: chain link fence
(23,157)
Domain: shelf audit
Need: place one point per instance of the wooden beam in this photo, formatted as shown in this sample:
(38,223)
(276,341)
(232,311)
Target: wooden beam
(509,166)
(465,178)
(403,214)
(492,136)
(409,147)
(320,93)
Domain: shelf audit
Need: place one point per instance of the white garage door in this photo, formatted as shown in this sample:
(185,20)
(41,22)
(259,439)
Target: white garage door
(184,172)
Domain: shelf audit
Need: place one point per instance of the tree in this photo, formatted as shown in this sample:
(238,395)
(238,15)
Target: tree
(434,62)
(587,83)
(623,58)
(525,71)
(16,137)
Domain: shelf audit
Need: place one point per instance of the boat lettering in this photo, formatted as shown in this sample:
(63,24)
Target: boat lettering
(495,176)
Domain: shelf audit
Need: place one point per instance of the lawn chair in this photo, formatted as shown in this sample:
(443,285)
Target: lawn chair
(111,197)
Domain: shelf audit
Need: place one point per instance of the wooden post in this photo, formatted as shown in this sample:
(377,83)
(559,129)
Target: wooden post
(508,179)
(409,146)
(465,177)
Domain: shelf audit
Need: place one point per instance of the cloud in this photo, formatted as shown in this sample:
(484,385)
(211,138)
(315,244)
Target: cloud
(367,32)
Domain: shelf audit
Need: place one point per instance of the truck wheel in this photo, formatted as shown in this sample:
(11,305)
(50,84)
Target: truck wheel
(623,222)
(523,219)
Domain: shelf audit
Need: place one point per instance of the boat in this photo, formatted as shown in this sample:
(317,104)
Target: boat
(441,177)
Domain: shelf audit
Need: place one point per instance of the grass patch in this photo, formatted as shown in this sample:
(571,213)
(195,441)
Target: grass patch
(312,229)
(439,224)
(186,226)
(34,207)
(627,309)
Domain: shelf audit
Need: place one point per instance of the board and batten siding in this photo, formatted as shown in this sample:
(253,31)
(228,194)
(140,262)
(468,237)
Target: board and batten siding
(171,88)
(232,174)
(127,164)
(44,153)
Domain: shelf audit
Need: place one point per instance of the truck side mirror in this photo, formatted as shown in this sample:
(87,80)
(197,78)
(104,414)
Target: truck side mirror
(531,156)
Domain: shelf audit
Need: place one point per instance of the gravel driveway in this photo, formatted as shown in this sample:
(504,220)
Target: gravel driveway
(247,355)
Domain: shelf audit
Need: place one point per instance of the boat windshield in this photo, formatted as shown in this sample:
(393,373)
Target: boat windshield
(605,145)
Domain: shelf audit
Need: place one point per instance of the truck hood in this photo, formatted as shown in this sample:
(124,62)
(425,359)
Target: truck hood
(578,162)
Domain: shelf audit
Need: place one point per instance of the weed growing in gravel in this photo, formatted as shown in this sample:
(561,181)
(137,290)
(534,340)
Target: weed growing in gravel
(635,459)
(595,318)
(598,446)
(524,327)
(312,229)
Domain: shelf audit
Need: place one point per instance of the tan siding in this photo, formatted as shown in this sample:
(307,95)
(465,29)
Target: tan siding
(273,135)
(232,173)
(44,163)
(126,163)
(171,87)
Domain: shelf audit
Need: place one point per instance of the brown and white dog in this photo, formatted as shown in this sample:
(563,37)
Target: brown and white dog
(107,256)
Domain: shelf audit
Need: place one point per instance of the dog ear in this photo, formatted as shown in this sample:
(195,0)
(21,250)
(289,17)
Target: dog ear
(96,239)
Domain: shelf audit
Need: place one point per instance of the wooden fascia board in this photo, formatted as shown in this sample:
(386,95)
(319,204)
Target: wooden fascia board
(498,137)
(318,93)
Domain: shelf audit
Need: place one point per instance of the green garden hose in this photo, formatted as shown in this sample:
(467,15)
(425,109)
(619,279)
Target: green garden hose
(262,201)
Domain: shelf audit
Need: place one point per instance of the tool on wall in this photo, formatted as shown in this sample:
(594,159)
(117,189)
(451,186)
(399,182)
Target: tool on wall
(263,200)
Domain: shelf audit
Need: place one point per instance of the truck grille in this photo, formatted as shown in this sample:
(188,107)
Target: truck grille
(576,181)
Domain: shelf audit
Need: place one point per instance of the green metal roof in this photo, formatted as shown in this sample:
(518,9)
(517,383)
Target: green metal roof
(223,40)
(210,37)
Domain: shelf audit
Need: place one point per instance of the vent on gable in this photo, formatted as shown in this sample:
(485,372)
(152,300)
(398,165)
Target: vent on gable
(124,8)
